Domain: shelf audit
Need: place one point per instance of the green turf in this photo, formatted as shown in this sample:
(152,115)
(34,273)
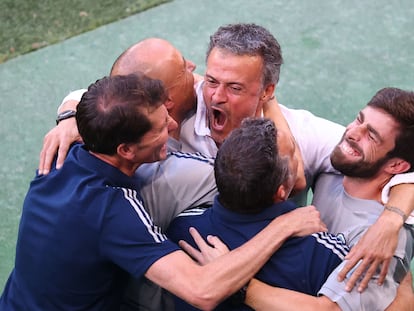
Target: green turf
(28,25)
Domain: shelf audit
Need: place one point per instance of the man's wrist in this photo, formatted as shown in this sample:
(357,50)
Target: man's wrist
(67,114)
(396,213)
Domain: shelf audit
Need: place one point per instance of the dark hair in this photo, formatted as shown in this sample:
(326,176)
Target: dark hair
(248,168)
(250,39)
(115,110)
(400,105)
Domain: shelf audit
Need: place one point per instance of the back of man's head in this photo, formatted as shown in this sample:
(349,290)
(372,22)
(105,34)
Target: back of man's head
(400,105)
(151,56)
(253,40)
(248,168)
(115,110)
(159,59)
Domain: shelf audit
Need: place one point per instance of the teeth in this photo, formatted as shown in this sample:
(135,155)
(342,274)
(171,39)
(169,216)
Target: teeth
(348,149)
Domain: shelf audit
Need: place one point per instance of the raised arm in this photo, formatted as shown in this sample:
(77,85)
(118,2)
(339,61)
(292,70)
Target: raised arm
(272,111)
(59,138)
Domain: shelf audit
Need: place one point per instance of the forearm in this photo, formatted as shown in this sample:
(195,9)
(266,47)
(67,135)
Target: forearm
(399,206)
(232,271)
(59,138)
(244,262)
(404,301)
(71,101)
(402,197)
(68,105)
(377,246)
(208,285)
(272,111)
(261,296)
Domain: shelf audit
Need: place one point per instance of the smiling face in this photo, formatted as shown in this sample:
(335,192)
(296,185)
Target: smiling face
(364,147)
(233,90)
(153,144)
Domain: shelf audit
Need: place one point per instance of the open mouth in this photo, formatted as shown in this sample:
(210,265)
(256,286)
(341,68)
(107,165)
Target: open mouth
(350,148)
(218,120)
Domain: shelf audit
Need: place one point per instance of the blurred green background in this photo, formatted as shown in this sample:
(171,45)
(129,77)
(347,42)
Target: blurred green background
(28,25)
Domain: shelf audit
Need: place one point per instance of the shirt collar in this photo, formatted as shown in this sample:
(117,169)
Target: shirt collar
(268,213)
(201,125)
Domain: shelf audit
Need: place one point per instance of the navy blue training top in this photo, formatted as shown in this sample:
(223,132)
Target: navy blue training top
(82,230)
(301,264)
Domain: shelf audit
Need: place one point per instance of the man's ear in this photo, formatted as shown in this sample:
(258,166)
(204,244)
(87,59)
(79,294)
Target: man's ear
(397,166)
(169,104)
(280,194)
(125,151)
(268,92)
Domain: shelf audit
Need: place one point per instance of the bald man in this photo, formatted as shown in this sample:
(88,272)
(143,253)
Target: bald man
(159,59)
(155,57)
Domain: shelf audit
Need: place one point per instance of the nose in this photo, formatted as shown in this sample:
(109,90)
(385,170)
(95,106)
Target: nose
(356,132)
(172,124)
(190,65)
(219,94)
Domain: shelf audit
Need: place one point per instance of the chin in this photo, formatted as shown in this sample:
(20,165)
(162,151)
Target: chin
(218,137)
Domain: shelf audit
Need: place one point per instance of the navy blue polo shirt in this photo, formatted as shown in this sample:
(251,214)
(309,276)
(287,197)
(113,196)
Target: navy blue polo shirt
(301,264)
(83,230)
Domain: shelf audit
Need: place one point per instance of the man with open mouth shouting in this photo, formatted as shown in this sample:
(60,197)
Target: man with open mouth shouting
(243,66)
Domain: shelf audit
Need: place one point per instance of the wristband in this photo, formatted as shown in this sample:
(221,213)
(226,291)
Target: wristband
(65,115)
(397,211)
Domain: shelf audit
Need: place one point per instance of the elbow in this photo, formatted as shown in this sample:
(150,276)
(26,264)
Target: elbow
(204,301)
(205,297)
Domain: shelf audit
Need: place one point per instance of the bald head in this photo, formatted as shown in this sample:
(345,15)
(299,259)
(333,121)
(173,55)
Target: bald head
(155,57)
(159,59)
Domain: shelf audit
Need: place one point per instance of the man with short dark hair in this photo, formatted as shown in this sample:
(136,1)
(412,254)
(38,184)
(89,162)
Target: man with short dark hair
(376,146)
(254,180)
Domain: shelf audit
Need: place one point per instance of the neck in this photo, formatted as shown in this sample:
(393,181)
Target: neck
(365,188)
(125,167)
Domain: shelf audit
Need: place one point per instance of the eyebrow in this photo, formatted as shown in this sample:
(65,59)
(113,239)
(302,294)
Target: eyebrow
(371,129)
(226,83)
